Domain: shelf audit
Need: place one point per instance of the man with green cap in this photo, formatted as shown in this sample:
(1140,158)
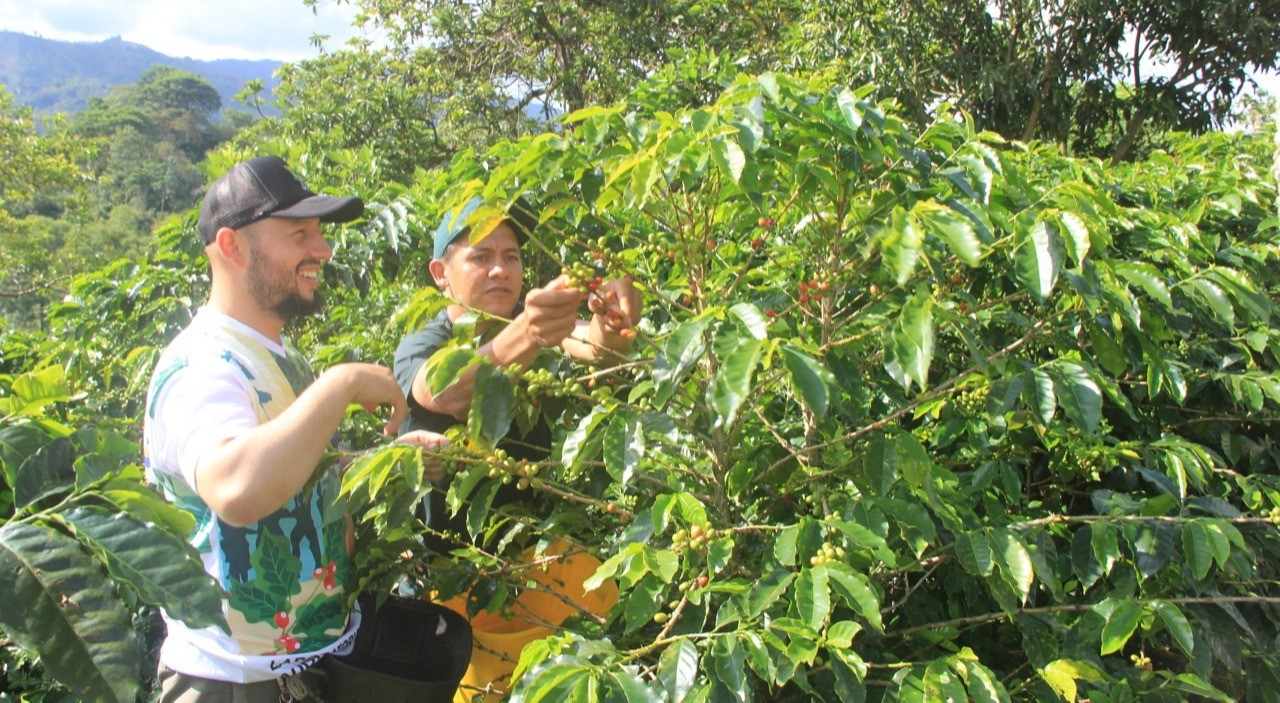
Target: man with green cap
(486,276)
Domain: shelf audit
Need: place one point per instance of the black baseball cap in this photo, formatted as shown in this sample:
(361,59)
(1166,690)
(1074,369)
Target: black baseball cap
(264,187)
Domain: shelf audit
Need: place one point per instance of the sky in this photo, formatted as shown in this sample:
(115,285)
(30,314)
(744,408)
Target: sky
(279,30)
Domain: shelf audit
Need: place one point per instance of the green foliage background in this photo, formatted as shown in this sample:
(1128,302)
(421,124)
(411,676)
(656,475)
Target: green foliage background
(916,411)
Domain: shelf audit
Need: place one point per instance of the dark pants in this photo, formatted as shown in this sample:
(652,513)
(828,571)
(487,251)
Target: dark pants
(181,688)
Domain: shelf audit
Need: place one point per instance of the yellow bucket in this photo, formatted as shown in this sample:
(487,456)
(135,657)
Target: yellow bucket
(535,614)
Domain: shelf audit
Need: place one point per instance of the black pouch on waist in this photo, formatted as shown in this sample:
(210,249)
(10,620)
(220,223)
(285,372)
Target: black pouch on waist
(406,650)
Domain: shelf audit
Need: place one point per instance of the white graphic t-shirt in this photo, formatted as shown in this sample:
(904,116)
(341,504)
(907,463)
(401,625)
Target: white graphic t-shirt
(285,575)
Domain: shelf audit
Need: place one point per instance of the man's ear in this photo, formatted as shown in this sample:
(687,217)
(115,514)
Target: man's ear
(231,245)
(436,267)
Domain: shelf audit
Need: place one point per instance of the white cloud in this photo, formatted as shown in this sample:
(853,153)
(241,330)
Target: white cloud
(1270,82)
(202,29)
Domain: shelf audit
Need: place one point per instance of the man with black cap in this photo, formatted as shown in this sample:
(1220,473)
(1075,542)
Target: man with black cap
(486,276)
(235,428)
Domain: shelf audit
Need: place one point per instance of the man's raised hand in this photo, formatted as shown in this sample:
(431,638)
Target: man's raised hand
(551,311)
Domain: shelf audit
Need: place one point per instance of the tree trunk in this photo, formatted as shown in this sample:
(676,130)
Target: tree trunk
(1275,161)
(1130,135)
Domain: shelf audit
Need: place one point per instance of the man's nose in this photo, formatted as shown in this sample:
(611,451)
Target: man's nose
(323,250)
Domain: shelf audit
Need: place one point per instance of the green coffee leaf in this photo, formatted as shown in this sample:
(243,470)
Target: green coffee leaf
(1121,620)
(811,379)
(623,446)
(164,570)
(1038,260)
(732,384)
(910,344)
(69,613)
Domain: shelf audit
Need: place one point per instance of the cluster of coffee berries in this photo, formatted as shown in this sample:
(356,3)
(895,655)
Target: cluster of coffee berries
(545,382)
(699,581)
(697,538)
(829,552)
(582,277)
(972,400)
(1089,461)
(506,469)
(812,290)
(588,281)
(525,474)
(462,451)
(528,474)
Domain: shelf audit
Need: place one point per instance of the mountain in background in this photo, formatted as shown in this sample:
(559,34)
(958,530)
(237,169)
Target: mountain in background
(59,76)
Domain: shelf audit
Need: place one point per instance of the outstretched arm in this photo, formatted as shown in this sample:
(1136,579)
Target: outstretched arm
(549,317)
(250,476)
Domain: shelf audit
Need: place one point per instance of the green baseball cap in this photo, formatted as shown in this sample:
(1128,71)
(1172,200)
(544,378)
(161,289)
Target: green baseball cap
(454,223)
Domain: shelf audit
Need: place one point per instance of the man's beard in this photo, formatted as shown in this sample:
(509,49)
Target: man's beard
(278,293)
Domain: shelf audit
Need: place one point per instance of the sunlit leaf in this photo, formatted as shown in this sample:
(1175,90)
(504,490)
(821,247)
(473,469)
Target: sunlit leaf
(812,597)
(1177,625)
(1015,562)
(1121,620)
(974,552)
(1148,278)
(732,384)
(953,228)
(1079,395)
(1038,260)
(683,348)
(910,344)
(1077,232)
(447,365)
(678,669)
(856,591)
(729,157)
(623,447)
(901,241)
(752,319)
(1214,299)
(813,381)
(1038,395)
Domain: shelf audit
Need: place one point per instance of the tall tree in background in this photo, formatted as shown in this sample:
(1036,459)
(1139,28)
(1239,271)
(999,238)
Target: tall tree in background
(182,105)
(448,75)
(90,189)
(1097,77)
(155,131)
(31,163)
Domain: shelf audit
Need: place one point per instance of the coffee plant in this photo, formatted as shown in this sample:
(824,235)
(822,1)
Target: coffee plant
(85,550)
(911,415)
